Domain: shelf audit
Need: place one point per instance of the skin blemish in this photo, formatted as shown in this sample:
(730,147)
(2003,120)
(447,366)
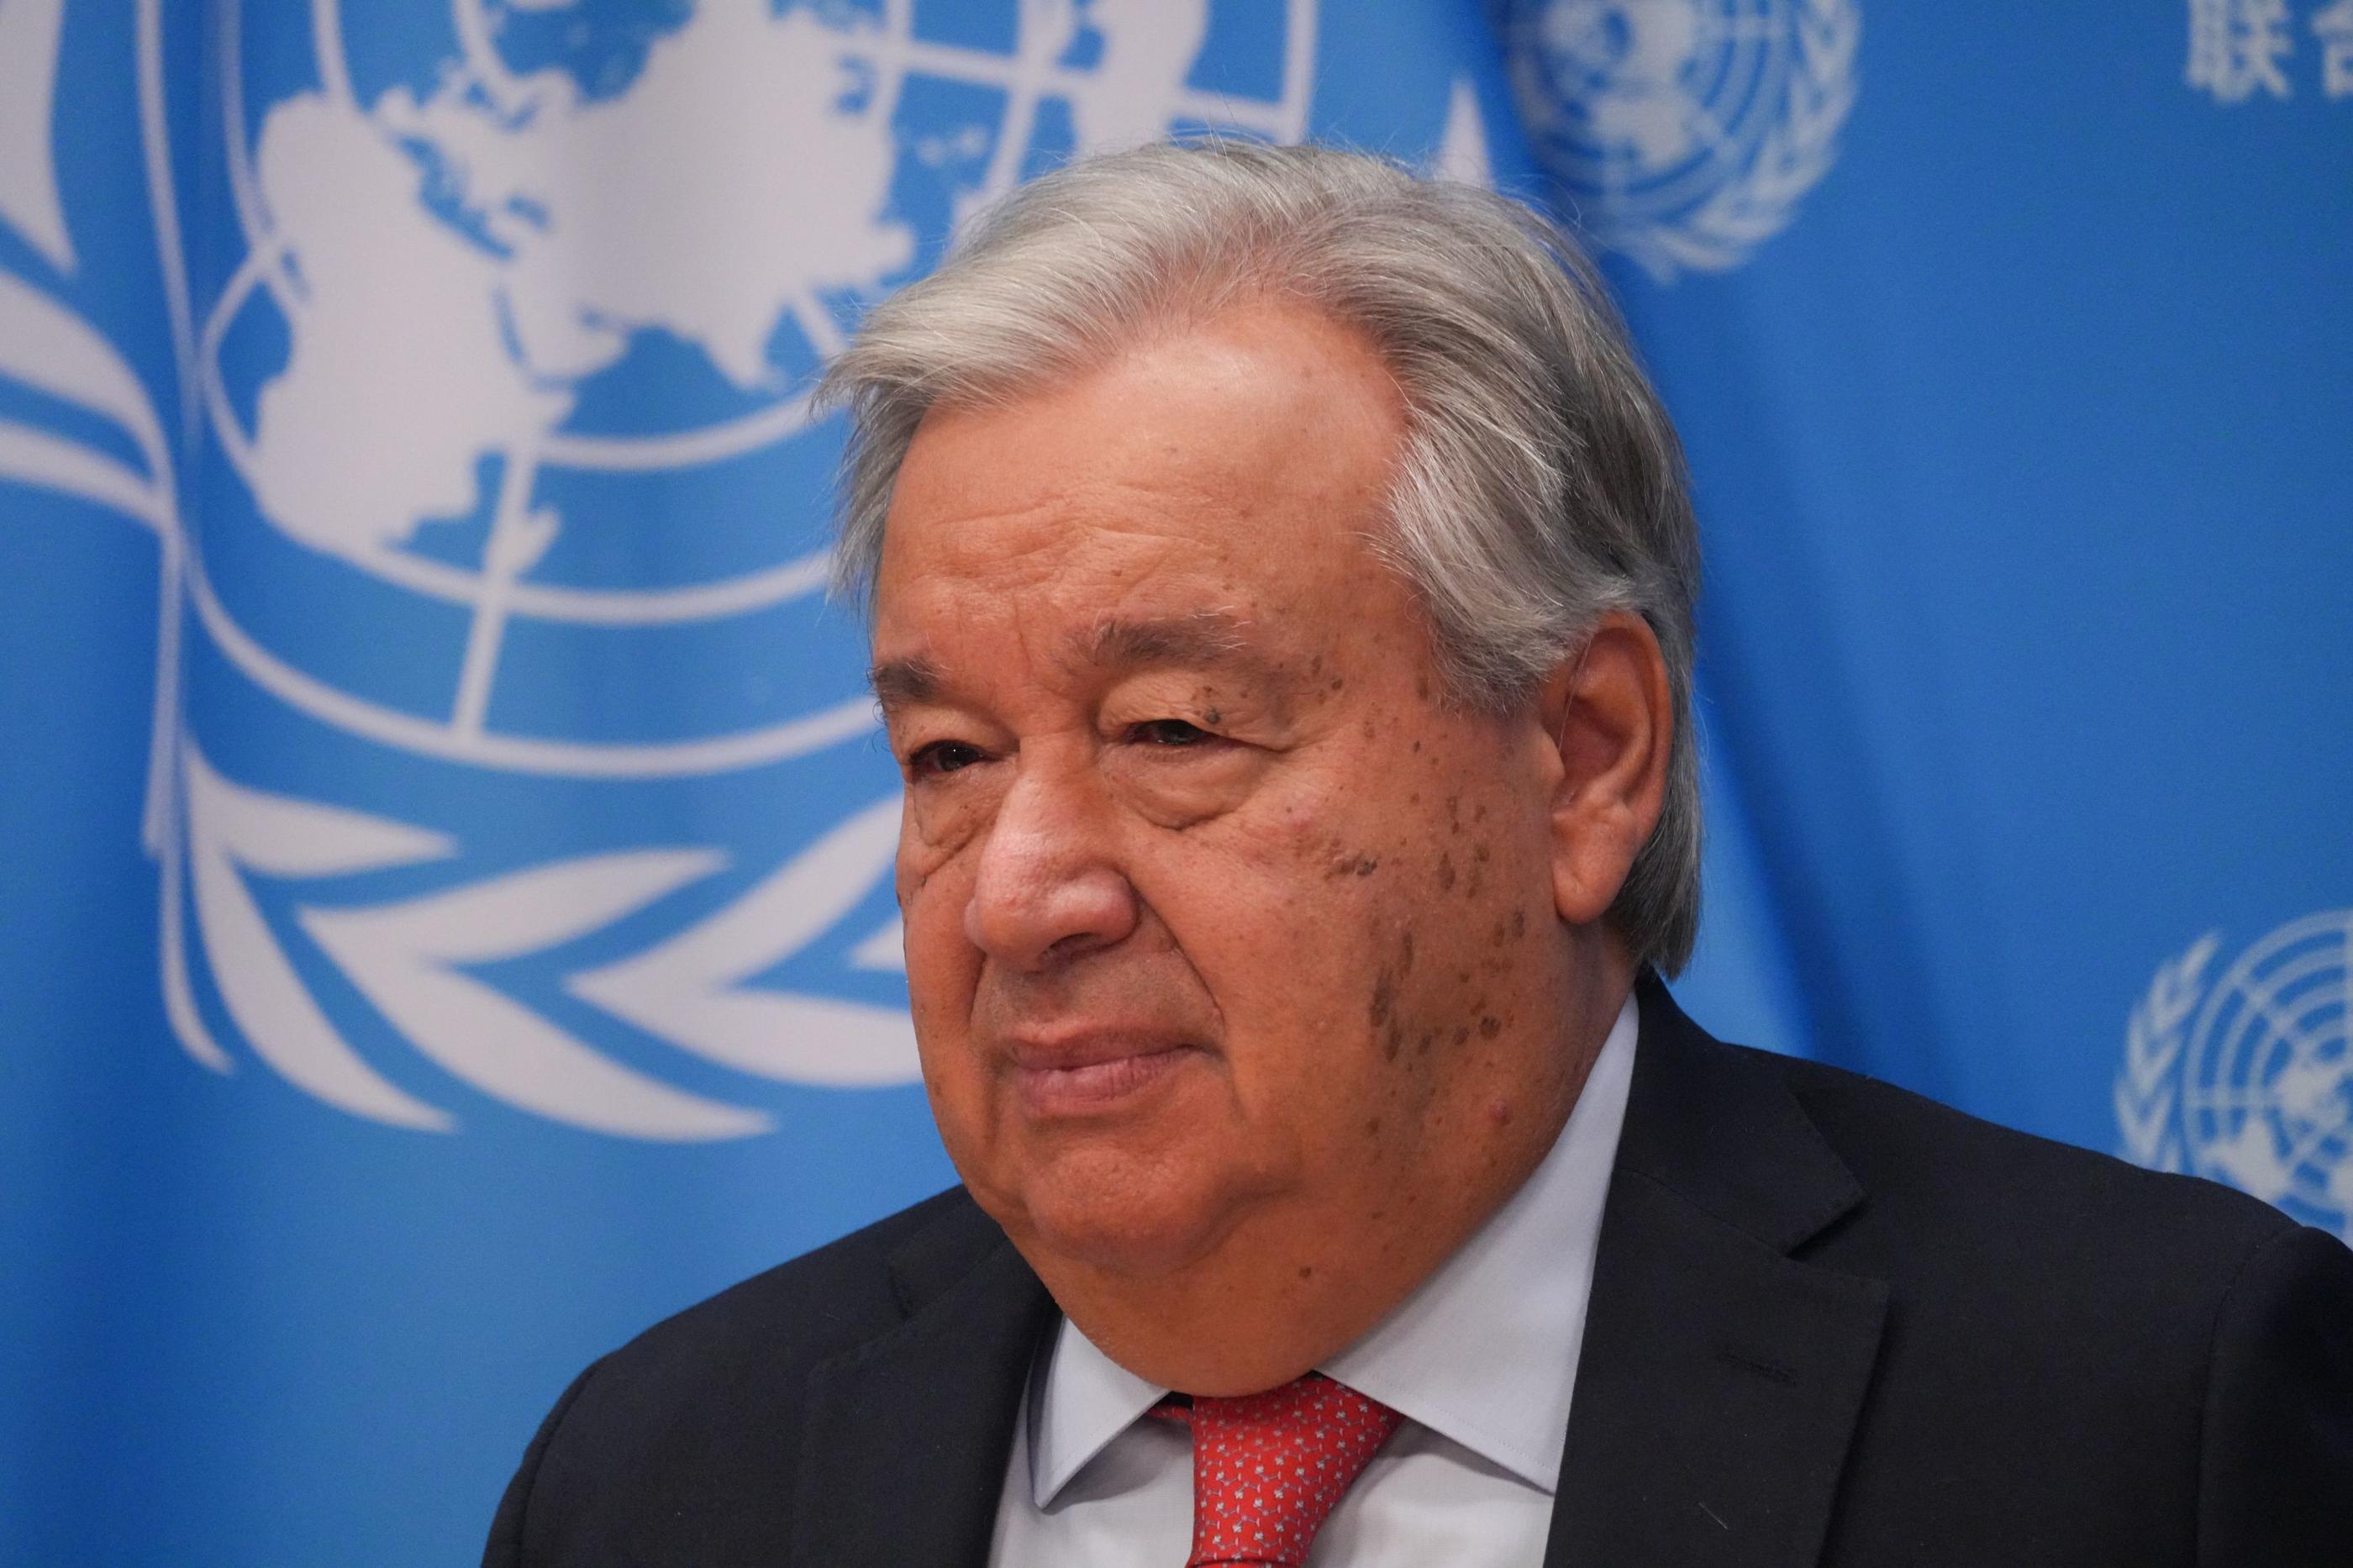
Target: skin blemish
(1367,866)
(1417,746)
(1463,1035)
(1211,716)
(1383,998)
(1490,1027)
(1405,956)
(1429,1038)
(1393,1042)
(1499,1113)
(1373,1128)
(1445,872)
(1519,924)
(1307,1272)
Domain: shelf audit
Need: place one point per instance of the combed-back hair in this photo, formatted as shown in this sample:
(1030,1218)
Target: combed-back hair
(1540,486)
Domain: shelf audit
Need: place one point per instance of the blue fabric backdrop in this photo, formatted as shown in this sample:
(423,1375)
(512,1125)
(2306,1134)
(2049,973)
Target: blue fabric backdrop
(443,928)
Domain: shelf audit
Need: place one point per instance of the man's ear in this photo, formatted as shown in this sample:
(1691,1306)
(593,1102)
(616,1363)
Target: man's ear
(1609,710)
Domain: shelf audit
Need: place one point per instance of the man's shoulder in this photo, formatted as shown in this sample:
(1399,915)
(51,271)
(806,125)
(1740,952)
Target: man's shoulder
(1883,1182)
(819,1304)
(683,1445)
(2021,1262)
(1951,1177)
(755,1342)
(2069,1334)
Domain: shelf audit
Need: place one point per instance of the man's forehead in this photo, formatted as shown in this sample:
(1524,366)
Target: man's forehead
(1107,644)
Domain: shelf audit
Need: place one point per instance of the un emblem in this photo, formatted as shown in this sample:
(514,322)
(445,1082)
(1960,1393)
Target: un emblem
(2250,1080)
(501,748)
(1683,133)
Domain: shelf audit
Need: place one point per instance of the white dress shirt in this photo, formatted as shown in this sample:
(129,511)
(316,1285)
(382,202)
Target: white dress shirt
(1479,1360)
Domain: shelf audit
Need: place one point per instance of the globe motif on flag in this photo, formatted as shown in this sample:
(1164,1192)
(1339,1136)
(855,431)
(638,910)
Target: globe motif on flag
(2267,1083)
(467,345)
(1682,133)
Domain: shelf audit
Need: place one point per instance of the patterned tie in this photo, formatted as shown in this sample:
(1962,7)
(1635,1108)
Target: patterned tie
(1268,1469)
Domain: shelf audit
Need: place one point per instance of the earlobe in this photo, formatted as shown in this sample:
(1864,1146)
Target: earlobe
(1611,716)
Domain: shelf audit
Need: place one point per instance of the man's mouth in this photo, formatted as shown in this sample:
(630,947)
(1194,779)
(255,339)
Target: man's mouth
(1092,1072)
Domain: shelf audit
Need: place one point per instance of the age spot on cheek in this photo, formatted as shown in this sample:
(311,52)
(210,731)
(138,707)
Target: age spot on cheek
(1342,861)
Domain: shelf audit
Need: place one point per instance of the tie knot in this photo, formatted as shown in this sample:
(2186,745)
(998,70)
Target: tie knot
(1268,1469)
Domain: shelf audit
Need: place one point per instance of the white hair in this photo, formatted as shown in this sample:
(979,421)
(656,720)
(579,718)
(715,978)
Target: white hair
(1541,485)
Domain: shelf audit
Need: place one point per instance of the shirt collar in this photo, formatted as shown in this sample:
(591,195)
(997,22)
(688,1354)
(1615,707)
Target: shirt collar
(1483,1351)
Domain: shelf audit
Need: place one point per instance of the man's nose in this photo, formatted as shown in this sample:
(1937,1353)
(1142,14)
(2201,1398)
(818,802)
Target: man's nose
(1048,889)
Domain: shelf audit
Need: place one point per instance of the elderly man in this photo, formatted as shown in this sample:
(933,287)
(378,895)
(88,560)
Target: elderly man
(1281,580)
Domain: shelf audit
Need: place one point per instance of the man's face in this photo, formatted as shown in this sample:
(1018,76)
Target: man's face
(1223,929)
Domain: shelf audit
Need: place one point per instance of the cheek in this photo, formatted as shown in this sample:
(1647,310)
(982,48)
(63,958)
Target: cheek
(943,967)
(943,975)
(1289,915)
(1431,881)
(1483,904)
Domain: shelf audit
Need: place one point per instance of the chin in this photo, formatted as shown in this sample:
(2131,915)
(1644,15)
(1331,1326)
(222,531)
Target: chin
(1111,1215)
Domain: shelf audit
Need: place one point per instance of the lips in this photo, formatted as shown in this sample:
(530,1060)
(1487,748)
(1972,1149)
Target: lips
(1095,1072)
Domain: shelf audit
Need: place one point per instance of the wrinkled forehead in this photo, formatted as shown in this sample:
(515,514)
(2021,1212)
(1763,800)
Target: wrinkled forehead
(1240,647)
(1253,451)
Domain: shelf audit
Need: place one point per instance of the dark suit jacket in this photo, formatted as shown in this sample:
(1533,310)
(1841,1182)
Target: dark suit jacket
(1832,1323)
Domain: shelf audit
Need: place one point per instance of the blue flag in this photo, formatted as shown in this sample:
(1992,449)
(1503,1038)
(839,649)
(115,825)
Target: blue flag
(446,924)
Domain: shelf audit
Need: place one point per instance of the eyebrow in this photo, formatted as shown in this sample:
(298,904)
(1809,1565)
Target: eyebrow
(1206,638)
(905,682)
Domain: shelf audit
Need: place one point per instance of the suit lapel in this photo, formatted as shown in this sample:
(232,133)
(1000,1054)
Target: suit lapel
(905,1447)
(1720,1378)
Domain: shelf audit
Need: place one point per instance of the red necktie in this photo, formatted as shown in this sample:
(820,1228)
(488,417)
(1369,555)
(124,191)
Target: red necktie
(1268,1469)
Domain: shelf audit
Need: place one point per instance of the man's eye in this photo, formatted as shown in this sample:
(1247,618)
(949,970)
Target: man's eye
(943,757)
(1169,733)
